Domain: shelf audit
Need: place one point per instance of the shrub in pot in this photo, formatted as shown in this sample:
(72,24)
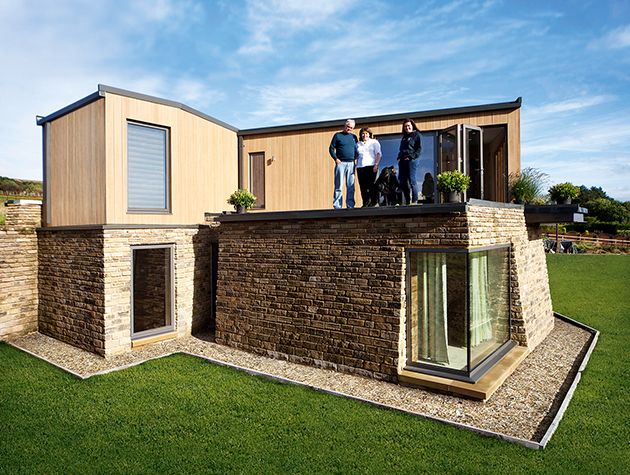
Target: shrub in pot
(452,183)
(563,193)
(242,200)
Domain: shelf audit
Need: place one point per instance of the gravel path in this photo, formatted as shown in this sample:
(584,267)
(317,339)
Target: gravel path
(522,407)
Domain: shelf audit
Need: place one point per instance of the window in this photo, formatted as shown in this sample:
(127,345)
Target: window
(147,168)
(459,310)
(257,178)
(152,290)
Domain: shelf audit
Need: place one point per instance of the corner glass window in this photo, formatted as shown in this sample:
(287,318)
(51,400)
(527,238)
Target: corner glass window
(147,168)
(459,310)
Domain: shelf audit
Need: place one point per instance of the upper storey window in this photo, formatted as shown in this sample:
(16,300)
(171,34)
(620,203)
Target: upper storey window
(147,168)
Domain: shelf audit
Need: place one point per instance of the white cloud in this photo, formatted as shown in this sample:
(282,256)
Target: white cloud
(268,20)
(618,38)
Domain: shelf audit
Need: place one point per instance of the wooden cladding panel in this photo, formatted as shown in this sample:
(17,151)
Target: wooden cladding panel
(75,167)
(301,176)
(203,162)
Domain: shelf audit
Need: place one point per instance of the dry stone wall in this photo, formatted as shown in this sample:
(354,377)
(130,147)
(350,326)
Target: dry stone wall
(18,270)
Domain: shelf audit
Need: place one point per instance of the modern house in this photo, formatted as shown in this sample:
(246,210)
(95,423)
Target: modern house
(135,246)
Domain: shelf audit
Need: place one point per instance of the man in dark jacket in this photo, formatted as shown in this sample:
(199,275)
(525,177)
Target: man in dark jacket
(342,149)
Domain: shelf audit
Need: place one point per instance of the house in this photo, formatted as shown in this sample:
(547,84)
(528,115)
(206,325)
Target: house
(135,248)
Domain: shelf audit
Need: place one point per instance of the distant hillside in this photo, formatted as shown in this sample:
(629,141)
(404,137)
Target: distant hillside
(17,187)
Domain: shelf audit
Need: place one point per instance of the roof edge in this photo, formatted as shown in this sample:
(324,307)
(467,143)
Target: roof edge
(69,108)
(512,105)
(103,90)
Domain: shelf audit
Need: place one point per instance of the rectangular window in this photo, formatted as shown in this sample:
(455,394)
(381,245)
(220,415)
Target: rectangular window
(152,290)
(147,168)
(257,178)
(459,310)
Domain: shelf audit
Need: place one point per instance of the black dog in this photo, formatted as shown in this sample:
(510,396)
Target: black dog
(389,193)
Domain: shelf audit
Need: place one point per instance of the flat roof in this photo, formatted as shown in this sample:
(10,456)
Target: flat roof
(513,105)
(103,90)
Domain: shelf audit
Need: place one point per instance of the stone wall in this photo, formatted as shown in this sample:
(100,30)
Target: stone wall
(331,291)
(85,282)
(326,292)
(71,287)
(18,270)
(532,314)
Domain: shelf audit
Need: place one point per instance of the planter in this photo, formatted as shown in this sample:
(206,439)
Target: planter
(241,209)
(452,197)
(564,201)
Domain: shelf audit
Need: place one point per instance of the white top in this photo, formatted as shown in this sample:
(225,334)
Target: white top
(367,152)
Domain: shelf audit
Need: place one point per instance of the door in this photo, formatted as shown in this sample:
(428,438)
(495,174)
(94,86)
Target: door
(460,147)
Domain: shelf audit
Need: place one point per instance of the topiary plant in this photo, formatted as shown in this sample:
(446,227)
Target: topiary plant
(241,200)
(563,192)
(453,181)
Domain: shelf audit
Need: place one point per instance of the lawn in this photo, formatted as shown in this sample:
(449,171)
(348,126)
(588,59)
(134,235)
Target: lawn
(184,415)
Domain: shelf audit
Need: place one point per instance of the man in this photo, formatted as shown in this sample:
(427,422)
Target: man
(343,151)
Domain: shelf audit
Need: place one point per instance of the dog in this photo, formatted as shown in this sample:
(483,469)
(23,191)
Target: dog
(388,188)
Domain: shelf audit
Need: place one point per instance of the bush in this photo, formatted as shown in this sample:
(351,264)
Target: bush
(563,191)
(242,198)
(527,186)
(452,181)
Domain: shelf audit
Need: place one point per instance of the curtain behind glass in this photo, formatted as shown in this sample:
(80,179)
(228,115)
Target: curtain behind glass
(432,307)
(480,317)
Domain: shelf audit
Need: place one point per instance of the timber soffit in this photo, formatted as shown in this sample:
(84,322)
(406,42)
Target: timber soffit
(103,90)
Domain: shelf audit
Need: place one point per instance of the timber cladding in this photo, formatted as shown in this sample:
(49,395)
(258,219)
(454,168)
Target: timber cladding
(331,292)
(299,171)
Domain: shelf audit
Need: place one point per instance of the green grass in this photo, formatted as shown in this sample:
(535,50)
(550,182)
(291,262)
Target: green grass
(184,415)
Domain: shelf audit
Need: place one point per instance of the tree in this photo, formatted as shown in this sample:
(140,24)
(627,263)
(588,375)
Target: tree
(607,210)
(592,193)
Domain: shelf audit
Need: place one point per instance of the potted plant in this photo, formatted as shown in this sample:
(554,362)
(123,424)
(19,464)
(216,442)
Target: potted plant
(242,200)
(563,193)
(452,183)
(527,186)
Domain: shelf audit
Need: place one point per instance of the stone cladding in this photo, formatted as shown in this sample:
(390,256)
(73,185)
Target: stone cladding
(85,282)
(18,270)
(330,292)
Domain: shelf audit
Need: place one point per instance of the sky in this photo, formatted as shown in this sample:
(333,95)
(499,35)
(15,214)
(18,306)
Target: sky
(256,63)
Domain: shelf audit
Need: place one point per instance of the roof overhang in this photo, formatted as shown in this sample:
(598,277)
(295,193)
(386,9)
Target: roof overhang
(103,90)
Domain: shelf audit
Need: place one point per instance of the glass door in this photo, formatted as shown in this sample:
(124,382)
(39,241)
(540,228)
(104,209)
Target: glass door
(473,159)
(461,149)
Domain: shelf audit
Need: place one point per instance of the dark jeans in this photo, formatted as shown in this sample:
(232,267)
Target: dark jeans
(367,177)
(407,170)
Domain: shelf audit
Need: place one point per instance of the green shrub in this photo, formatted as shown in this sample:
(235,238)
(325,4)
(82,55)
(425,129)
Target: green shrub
(453,181)
(563,191)
(242,198)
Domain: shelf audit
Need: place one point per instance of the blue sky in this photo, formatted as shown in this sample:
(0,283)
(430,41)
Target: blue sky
(258,63)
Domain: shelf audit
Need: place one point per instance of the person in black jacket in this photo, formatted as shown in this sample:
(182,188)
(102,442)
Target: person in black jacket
(408,158)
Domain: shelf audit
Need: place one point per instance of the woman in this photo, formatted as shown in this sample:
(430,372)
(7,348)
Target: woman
(408,155)
(368,158)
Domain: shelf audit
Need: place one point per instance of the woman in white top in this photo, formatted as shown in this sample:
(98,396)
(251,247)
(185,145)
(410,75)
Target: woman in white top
(368,158)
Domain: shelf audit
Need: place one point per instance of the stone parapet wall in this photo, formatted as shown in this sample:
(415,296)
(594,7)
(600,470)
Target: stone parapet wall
(18,270)
(85,282)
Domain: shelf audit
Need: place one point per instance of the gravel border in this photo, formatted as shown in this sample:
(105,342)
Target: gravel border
(526,409)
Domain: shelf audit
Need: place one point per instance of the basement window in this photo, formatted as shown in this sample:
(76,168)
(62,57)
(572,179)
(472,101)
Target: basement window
(152,293)
(458,315)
